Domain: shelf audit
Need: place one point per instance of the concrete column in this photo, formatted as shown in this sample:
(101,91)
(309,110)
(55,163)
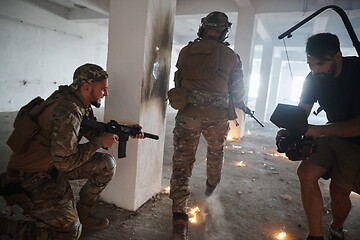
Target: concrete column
(140,42)
(244,45)
(273,88)
(265,68)
(285,83)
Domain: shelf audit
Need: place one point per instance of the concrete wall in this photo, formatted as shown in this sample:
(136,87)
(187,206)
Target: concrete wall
(139,69)
(40,51)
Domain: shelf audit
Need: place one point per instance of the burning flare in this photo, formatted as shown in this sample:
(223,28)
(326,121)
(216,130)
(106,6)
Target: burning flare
(281,235)
(167,190)
(230,138)
(241,164)
(279,155)
(193,214)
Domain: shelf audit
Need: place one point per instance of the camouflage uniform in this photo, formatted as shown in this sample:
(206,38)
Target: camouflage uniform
(54,157)
(212,73)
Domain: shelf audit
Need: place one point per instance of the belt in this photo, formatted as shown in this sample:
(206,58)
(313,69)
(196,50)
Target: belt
(201,98)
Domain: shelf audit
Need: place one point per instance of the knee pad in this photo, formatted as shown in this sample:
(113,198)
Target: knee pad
(108,161)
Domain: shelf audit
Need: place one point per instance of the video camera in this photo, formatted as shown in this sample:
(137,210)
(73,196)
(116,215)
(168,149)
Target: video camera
(294,144)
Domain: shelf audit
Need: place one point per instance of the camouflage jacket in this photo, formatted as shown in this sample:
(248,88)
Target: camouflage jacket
(57,144)
(209,66)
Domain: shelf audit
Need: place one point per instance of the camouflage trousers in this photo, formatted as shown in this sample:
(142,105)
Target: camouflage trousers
(187,133)
(49,200)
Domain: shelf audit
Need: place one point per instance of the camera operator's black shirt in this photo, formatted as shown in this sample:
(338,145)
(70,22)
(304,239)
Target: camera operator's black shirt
(339,97)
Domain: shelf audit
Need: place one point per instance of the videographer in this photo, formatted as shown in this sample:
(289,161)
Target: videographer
(334,82)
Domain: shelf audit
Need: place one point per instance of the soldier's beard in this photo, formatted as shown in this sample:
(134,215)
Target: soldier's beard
(96,101)
(96,104)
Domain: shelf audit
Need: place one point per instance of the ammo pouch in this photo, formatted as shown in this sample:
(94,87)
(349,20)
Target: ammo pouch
(178,97)
(209,99)
(25,126)
(206,104)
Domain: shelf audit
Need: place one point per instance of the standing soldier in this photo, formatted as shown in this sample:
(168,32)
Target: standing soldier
(38,171)
(208,83)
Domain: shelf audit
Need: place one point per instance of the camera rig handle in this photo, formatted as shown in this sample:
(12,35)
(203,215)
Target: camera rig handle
(344,18)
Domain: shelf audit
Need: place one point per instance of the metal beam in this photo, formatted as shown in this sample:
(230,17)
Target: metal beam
(86,15)
(244,3)
(102,7)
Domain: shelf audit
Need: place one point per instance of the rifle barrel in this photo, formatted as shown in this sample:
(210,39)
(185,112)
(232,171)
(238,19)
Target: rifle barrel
(252,115)
(152,136)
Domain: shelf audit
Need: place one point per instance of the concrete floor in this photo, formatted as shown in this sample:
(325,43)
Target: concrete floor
(255,200)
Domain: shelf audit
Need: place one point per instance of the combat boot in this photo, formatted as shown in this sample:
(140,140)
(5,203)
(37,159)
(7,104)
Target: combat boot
(336,233)
(180,226)
(209,189)
(17,229)
(7,226)
(89,221)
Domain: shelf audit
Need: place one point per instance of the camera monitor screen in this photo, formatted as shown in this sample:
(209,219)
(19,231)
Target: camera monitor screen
(290,117)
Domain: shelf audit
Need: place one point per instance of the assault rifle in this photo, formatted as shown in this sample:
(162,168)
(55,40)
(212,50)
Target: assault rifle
(232,113)
(249,112)
(122,131)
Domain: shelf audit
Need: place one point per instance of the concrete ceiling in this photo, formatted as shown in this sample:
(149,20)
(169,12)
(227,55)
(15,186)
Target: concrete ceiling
(274,17)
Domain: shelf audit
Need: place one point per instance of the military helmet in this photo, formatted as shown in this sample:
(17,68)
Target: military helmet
(218,21)
(88,73)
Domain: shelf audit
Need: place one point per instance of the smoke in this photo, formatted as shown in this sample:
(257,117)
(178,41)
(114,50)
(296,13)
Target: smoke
(216,226)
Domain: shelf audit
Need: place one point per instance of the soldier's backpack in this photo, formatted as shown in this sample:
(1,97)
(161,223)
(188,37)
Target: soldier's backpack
(25,125)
